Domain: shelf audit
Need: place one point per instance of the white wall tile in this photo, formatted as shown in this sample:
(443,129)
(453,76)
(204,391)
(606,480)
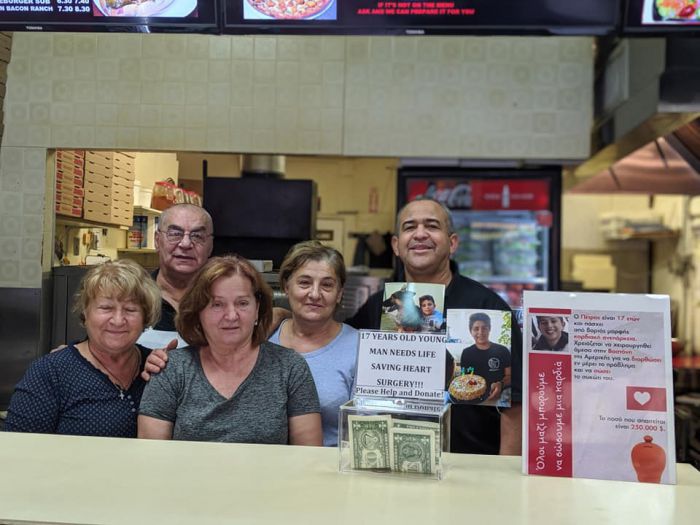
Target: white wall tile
(265,48)
(9,272)
(30,272)
(40,91)
(10,247)
(10,225)
(446,96)
(11,202)
(31,249)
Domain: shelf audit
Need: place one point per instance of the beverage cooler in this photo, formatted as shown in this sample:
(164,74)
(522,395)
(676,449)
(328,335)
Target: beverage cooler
(507,221)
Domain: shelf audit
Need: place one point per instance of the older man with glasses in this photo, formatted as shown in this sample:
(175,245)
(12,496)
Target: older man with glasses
(184,242)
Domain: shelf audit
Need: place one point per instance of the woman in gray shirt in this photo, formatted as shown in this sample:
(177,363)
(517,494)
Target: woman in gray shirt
(229,384)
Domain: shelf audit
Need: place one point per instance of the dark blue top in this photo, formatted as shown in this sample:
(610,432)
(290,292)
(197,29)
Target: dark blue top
(63,393)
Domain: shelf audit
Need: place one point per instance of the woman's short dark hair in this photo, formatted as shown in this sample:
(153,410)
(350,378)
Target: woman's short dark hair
(198,296)
(479,316)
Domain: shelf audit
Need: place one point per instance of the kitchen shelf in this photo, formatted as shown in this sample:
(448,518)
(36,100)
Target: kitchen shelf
(141,210)
(657,235)
(77,222)
(136,250)
(511,280)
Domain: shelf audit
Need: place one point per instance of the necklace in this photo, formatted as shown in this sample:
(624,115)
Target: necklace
(115,378)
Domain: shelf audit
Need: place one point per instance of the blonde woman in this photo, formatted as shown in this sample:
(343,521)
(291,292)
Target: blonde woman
(93,388)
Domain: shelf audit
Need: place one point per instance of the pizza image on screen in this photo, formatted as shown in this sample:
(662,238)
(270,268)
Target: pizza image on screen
(141,8)
(677,10)
(291,9)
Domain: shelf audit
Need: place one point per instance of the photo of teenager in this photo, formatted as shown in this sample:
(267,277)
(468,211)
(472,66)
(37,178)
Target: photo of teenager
(413,307)
(480,343)
(550,333)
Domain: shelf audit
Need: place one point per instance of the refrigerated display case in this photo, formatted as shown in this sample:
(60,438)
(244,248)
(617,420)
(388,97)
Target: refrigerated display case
(507,222)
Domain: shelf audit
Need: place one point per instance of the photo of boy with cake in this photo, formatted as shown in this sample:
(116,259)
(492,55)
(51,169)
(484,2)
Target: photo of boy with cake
(483,367)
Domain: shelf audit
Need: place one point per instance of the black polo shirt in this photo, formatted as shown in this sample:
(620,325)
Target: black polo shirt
(167,313)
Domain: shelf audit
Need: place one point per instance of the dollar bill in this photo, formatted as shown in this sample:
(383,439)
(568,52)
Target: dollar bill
(422,425)
(413,450)
(370,442)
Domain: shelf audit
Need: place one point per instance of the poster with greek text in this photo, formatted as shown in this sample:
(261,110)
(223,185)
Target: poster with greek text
(599,388)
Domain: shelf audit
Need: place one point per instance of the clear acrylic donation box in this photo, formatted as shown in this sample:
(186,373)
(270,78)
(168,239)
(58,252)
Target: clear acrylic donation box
(394,436)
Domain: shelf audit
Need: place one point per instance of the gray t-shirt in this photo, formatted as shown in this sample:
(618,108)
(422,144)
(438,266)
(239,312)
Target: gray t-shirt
(280,386)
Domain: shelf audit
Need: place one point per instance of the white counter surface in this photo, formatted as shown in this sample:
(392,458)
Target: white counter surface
(59,479)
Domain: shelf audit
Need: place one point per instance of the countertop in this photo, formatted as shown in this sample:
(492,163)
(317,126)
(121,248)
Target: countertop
(60,479)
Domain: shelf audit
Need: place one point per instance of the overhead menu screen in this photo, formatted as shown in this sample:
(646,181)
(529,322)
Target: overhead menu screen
(421,16)
(96,15)
(662,16)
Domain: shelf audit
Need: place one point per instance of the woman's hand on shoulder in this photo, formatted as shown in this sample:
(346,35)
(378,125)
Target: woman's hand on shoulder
(157,360)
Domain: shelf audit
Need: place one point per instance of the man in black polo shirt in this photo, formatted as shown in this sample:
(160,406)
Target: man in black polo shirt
(424,241)
(184,243)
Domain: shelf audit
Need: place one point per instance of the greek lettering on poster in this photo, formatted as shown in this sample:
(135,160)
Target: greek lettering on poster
(597,374)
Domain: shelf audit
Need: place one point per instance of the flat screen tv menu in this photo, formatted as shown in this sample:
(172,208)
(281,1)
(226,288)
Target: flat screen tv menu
(97,15)
(419,16)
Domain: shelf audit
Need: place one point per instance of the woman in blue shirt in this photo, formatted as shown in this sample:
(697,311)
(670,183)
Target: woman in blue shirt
(313,276)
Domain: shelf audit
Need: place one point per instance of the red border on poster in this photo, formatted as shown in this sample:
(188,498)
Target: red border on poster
(549,411)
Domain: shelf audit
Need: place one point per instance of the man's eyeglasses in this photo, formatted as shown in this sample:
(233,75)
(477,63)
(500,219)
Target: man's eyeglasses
(176,236)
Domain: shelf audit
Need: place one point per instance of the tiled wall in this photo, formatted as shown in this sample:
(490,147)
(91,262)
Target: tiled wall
(493,98)
(5,47)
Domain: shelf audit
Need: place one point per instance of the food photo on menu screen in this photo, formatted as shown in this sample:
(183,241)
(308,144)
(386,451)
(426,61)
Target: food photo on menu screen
(480,344)
(289,10)
(145,8)
(673,12)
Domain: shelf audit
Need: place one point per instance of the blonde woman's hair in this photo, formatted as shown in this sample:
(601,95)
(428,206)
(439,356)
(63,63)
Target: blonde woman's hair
(122,280)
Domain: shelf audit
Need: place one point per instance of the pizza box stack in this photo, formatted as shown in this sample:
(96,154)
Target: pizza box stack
(70,176)
(109,187)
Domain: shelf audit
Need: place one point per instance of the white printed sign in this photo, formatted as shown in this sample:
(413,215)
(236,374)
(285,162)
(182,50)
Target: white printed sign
(396,365)
(598,380)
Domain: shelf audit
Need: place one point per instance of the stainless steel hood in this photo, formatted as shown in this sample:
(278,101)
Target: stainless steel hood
(646,89)
(257,165)
(657,168)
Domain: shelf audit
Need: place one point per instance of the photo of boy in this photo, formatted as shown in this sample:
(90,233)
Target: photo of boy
(553,337)
(488,359)
(413,307)
(431,317)
(480,344)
